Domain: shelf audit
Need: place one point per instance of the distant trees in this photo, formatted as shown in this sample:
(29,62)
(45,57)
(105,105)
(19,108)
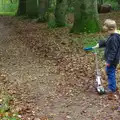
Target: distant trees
(33,8)
(118,2)
(85,12)
(13,1)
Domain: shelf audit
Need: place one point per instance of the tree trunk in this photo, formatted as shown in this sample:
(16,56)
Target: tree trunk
(86,17)
(118,2)
(70,3)
(32,8)
(101,2)
(21,7)
(60,12)
(42,10)
(51,15)
(11,1)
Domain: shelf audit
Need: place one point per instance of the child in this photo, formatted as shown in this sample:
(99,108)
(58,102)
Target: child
(111,54)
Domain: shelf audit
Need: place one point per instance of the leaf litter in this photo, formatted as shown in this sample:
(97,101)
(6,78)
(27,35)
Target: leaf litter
(49,75)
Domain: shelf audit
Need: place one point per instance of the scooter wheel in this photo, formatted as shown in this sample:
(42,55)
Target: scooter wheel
(100,90)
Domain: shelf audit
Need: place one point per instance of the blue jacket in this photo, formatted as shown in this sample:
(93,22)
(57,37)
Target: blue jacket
(112,48)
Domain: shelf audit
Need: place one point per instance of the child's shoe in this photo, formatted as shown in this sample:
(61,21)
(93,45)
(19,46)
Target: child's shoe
(107,91)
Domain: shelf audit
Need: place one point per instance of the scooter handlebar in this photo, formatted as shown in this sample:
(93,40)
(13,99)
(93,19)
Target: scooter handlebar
(88,49)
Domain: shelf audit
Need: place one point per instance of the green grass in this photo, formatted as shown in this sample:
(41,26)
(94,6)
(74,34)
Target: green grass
(90,41)
(6,112)
(7,13)
(86,41)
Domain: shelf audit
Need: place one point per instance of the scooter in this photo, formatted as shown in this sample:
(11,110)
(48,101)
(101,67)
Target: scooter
(98,83)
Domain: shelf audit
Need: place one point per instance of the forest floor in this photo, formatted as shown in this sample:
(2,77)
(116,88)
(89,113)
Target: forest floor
(49,75)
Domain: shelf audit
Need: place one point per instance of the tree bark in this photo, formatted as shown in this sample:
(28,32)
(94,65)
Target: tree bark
(118,2)
(86,17)
(11,1)
(32,8)
(101,2)
(60,12)
(51,15)
(21,7)
(42,10)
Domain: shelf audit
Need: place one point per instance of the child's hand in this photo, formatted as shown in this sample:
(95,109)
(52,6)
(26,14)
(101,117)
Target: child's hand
(107,64)
(97,46)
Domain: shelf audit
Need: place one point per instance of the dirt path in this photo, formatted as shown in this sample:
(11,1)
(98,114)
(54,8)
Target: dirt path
(36,83)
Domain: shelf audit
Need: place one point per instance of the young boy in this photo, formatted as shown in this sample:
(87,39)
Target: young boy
(111,54)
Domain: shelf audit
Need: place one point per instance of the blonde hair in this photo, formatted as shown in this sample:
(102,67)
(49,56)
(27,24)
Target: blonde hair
(109,25)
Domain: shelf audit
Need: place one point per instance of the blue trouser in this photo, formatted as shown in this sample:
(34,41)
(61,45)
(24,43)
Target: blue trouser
(111,73)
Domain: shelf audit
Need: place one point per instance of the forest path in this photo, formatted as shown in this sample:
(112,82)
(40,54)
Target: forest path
(40,90)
